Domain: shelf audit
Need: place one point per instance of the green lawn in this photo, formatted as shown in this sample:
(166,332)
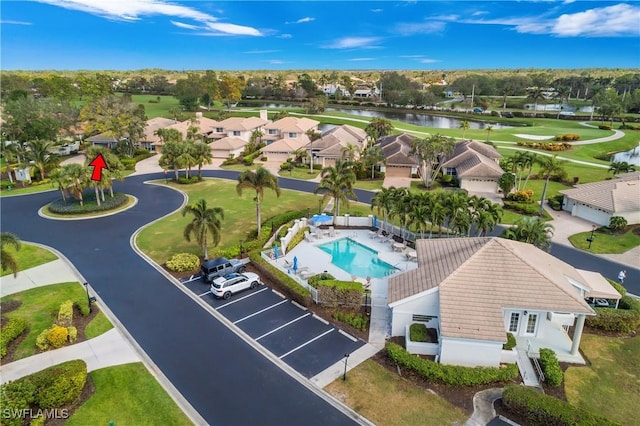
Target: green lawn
(99,324)
(164,238)
(29,189)
(299,173)
(29,256)
(387,399)
(130,200)
(160,109)
(606,243)
(40,308)
(610,385)
(369,185)
(127,395)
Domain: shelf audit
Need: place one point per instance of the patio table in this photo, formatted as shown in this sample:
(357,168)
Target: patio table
(398,246)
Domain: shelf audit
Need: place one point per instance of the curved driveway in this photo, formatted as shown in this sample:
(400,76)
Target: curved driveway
(223,378)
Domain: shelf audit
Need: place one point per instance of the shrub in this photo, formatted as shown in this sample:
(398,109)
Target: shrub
(524,208)
(314,280)
(604,127)
(297,238)
(550,367)
(619,287)
(263,158)
(450,374)
(14,328)
(182,262)
(333,293)
(57,336)
(59,385)
(41,341)
(183,180)
(522,196)
(73,333)
(511,342)
(616,223)
(541,409)
(72,206)
(418,333)
(357,321)
(65,314)
(555,202)
(567,137)
(291,287)
(625,319)
(447,178)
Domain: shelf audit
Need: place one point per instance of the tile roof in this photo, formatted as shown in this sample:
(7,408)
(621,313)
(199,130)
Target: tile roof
(242,124)
(230,142)
(397,148)
(621,194)
(154,124)
(471,163)
(287,144)
(479,277)
(599,286)
(293,124)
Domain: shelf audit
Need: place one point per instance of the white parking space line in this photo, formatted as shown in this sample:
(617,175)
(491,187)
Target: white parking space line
(204,294)
(278,293)
(242,298)
(259,312)
(282,326)
(306,343)
(347,335)
(294,303)
(321,319)
(191,278)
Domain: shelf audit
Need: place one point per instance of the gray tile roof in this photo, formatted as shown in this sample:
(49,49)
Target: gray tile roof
(621,194)
(397,148)
(474,159)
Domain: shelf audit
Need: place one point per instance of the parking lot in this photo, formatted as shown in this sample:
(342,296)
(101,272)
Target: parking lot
(307,343)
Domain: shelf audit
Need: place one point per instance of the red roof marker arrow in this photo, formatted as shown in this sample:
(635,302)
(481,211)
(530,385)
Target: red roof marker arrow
(98,164)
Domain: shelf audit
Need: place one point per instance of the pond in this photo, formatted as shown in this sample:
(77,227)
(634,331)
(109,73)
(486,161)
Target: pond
(425,120)
(632,156)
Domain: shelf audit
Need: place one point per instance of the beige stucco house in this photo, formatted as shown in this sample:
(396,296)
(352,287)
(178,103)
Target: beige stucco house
(397,150)
(475,290)
(476,165)
(238,127)
(228,147)
(599,201)
(288,128)
(282,149)
(331,145)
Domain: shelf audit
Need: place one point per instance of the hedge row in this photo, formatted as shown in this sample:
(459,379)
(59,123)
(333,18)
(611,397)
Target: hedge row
(53,387)
(10,332)
(550,367)
(297,238)
(65,314)
(72,206)
(625,319)
(332,293)
(452,375)
(295,291)
(181,262)
(543,410)
(357,321)
(525,208)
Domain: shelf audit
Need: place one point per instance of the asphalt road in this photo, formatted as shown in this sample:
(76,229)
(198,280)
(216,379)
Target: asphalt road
(225,380)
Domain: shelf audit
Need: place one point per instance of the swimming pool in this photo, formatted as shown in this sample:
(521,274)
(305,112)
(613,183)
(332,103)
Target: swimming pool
(357,259)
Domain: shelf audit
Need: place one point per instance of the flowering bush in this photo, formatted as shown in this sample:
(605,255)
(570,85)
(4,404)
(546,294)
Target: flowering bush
(182,262)
(11,331)
(522,196)
(65,314)
(73,333)
(568,137)
(57,336)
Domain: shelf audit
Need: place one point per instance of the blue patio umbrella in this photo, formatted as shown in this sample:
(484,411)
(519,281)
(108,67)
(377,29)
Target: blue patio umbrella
(275,251)
(321,218)
(375,221)
(295,263)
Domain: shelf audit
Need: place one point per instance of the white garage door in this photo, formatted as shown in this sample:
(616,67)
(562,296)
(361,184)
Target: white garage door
(592,215)
(396,171)
(479,185)
(277,156)
(220,153)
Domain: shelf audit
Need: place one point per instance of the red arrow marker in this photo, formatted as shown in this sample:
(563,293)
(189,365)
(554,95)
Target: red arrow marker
(98,164)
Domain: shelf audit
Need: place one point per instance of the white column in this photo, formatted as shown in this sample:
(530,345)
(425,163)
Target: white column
(577,334)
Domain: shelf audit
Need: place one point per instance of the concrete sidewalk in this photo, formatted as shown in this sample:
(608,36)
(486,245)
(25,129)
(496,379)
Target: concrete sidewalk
(54,272)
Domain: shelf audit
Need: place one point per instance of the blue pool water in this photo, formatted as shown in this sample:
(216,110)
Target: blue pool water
(356,259)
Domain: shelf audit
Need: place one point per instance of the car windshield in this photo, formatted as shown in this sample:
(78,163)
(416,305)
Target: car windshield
(231,276)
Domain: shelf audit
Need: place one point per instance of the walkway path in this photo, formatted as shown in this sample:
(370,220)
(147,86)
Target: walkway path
(483,411)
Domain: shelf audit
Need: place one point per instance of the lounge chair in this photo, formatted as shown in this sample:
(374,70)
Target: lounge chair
(288,263)
(306,274)
(302,270)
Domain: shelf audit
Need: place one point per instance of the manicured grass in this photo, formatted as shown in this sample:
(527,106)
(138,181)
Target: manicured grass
(239,167)
(99,324)
(606,243)
(370,185)
(130,200)
(127,395)
(29,256)
(164,238)
(299,173)
(387,399)
(160,109)
(40,308)
(16,189)
(609,386)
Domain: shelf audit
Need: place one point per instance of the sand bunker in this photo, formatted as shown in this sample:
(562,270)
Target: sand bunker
(535,137)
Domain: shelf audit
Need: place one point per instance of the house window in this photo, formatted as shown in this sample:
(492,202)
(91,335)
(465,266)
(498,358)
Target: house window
(513,322)
(293,135)
(272,131)
(219,130)
(532,320)
(236,133)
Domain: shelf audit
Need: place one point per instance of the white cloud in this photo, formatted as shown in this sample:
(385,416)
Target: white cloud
(411,56)
(376,10)
(354,42)
(361,59)
(285,36)
(303,20)
(276,62)
(3,22)
(428,61)
(617,20)
(260,52)
(135,10)
(409,28)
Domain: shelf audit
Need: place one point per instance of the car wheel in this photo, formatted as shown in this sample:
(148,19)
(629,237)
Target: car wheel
(227,295)
(242,269)
(254,284)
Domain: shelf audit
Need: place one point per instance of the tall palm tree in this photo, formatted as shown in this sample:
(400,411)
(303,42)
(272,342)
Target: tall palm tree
(383,202)
(313,135)
(337,182)
(535,94)
(429,151)
(402,208)
(528,160)
(202,155)
(206,221)
(549,166)
(464,125)
(78,180)
(7,260)
(532,231)
(258,180)
(41,157)
(61,180)
(350,152)
(186,157)
(489,130)
(373,156)
(171,152)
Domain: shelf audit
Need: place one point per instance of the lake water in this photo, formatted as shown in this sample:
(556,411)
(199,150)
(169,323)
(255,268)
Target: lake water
(632,156)
(425,120)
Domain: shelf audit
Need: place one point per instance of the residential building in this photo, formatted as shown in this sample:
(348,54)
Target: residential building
(397,150)
(476,166)
(288,128)
(331,145)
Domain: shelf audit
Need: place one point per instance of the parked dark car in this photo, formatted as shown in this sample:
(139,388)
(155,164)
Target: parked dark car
(219,267)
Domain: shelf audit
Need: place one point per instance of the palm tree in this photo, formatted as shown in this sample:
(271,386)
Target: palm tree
(618,167)
(202,155)
(41,157)
(337,182)
(532,231)
(186,157)
(313,135)
(535,94)
(378,127)
(78,178)
(464,125)
(59,177)
(402,208)
(259,180)
(171,152)
(489,130)
(373,155)
(549,166)
(528,159)
(350,152)
(429,151)
(383,202)
(256,139)
(205,221)
(7,260)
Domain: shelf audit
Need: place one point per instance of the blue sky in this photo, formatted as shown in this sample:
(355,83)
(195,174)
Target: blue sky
(259,35)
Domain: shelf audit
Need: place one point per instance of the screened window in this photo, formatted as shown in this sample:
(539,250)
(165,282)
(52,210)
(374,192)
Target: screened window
(531,323)
(513,322)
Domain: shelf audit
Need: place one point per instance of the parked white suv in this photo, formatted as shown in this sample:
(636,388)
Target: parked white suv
(224,287)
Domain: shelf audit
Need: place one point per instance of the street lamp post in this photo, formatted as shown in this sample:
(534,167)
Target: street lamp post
(590,239)
(86,286)
(346,358)
(320,206)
